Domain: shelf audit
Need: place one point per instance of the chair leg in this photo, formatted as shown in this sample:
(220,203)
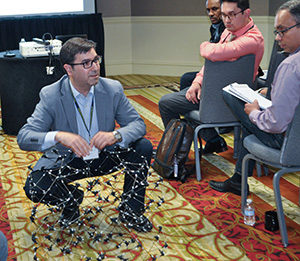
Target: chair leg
(280,213)
(258,169)
(244,180)
(260,166)
(266,170)
(197,154)
(237,137)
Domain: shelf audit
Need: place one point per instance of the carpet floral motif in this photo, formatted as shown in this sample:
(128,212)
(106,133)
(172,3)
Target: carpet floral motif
(197,222)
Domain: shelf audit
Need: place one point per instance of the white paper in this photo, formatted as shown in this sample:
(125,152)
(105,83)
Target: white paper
(246,94)
(94,154)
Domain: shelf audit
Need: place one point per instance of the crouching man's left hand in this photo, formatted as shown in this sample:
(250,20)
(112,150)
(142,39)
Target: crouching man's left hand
(103,139)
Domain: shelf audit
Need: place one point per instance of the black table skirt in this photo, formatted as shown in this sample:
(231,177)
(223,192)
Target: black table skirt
(12,29)
(21,80)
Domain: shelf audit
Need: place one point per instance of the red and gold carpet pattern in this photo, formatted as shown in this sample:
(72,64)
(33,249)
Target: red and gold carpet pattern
(198,223)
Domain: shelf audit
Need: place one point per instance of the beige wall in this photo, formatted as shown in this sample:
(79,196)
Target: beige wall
(113,8)
(163,36)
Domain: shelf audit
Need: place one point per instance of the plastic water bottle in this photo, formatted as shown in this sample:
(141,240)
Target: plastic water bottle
(175,166)
(249,213)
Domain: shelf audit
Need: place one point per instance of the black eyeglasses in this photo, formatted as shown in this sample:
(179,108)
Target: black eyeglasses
(281,33)
(230,16)
(89,63)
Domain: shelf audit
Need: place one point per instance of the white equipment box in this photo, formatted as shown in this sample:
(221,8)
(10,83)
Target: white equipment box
(36,49)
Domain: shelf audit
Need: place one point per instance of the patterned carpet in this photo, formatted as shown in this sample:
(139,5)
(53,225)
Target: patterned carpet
(198,223)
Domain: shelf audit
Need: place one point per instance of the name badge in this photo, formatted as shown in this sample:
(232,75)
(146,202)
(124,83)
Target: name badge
(94,154)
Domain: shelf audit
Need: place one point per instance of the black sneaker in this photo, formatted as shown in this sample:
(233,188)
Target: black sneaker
(132,220)
(228,186)
(224,130)
(218,146)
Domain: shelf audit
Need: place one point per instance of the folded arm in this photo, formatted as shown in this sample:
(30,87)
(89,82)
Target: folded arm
(229,51)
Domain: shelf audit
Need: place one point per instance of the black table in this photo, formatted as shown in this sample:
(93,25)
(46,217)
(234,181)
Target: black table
(21,80)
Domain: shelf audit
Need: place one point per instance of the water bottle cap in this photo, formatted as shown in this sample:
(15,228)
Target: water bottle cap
(249,200)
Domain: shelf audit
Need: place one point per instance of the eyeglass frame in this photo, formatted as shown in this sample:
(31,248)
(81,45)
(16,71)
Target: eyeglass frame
(98,60)
(282,32)
(233,15)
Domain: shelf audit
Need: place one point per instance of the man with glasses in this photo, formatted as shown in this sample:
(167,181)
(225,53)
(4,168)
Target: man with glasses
(269,125)
(241,37)
(213,10)
(74,125)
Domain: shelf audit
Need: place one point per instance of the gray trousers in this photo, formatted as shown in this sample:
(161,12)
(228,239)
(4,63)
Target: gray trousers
(172,105)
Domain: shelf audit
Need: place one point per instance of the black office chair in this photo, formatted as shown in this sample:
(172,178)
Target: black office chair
(277,56)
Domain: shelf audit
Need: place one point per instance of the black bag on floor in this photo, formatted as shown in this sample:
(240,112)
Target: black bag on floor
(173,149)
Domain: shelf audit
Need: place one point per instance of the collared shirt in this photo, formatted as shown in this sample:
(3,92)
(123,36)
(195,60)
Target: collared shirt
(248,40)
(285,96)
(85,103)
(216,30)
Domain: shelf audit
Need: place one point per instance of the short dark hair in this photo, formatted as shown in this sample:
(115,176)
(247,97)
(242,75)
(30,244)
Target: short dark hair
(242,4)
(293,6)
(75,46)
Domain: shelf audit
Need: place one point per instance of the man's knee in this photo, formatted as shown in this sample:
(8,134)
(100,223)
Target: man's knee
(31,192)
(226,97)
(34,190)
(163,102)
(232,101)
(144,147)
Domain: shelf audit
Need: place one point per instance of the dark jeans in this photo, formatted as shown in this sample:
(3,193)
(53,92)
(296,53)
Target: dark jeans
(187,79)
(172,105)
(54,188)
(269,139)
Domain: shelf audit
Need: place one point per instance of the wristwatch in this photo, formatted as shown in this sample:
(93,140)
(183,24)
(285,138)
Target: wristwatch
(117,135)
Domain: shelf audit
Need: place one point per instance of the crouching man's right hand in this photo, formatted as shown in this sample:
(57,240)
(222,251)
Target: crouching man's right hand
(75,142)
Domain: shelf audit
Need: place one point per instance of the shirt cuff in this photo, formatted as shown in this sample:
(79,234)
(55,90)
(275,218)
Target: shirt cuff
(49,140)
(253,115)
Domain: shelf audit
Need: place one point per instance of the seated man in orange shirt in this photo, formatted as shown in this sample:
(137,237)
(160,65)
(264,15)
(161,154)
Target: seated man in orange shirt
(270,125)
(241,37)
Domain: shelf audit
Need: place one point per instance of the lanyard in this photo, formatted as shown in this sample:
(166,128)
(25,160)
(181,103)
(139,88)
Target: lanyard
(81,115)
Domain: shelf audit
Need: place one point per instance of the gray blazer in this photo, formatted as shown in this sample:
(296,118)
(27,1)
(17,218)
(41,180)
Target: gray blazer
(56,111)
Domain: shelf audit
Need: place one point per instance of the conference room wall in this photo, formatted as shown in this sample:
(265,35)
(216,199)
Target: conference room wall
(164,45)
(163,37)
(113,8)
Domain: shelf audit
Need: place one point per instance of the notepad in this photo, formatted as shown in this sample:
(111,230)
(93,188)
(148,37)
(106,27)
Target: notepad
(246,94)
